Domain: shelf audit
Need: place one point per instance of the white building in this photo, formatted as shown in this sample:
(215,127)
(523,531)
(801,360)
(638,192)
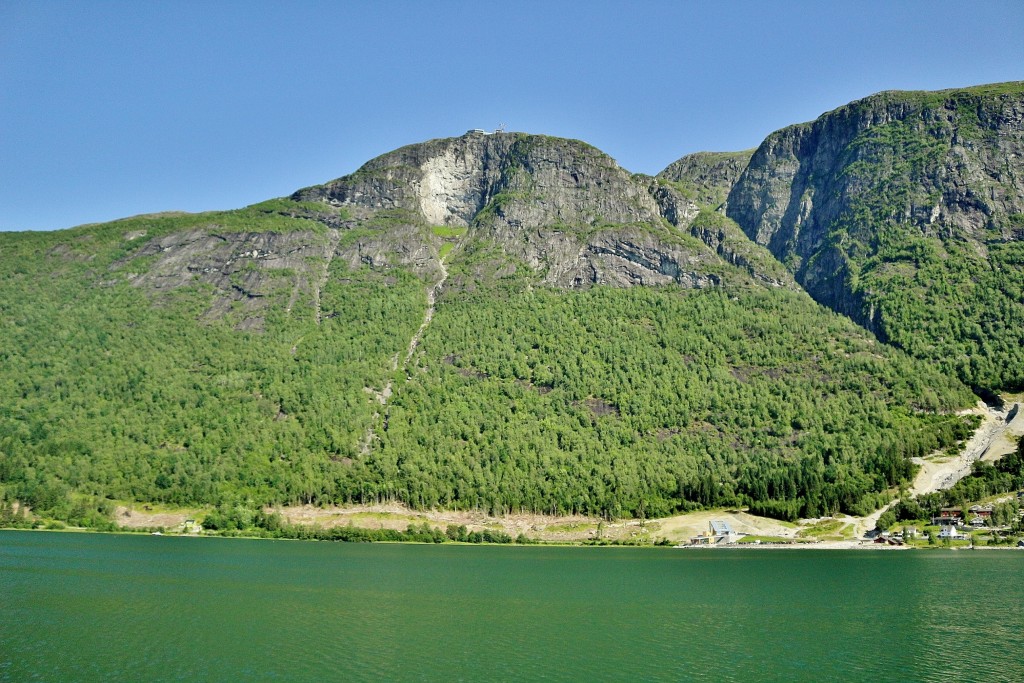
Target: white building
(721,532)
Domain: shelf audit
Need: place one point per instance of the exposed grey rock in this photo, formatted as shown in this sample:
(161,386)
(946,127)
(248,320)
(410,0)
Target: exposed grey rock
(528,181)
(561,207)
(257,270)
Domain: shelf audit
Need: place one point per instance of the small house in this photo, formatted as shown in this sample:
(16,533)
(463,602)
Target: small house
(950,532)
(949,516)
(910,532)
(984,511)
(701,539)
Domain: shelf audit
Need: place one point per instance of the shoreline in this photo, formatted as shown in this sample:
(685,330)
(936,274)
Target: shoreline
(866,546)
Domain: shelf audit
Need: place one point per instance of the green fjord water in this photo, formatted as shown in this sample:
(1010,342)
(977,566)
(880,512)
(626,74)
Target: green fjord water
(90,607)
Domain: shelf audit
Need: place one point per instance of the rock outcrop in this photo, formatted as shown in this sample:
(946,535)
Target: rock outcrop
(529,181)
(557,211)
(948,164)
(707,177)
(250,273)
(561,207)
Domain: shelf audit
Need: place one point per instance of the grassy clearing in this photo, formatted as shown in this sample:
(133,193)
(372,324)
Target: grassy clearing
(448,231)
(828,530)
(753,539)
(450,234)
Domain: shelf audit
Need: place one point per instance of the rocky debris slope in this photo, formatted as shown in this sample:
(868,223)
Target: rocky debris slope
(250,273)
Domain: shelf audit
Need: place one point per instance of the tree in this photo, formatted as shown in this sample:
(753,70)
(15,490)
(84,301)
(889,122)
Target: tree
(886,520)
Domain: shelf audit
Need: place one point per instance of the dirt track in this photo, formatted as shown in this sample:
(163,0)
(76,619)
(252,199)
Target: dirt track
(990,442)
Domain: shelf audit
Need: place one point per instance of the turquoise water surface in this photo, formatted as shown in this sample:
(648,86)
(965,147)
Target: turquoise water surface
(93,607)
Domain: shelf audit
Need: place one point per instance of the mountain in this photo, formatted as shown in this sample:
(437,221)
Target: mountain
(498,321)
(905,211)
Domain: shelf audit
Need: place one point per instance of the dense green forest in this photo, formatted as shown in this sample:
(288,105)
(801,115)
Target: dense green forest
(649,401)
(615,402)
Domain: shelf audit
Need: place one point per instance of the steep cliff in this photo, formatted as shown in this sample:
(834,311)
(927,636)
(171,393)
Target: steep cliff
(905,211)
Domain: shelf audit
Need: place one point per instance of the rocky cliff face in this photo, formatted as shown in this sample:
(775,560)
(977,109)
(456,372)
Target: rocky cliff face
(945,163)
(557,211)
(561,207)
(889,194)
(452,180)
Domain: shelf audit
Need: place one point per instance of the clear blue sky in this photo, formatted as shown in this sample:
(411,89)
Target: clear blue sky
(109,109)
